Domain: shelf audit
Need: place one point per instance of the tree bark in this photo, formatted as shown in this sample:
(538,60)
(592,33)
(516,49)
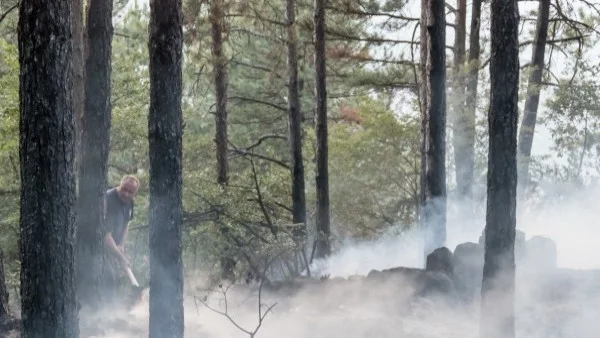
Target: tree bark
(79,77)
(533,95)
(295,117)
(497,311)
(165,148)
(463,123)
(323,248)
(95,144)
(433,117)
(220,77)
(47,149)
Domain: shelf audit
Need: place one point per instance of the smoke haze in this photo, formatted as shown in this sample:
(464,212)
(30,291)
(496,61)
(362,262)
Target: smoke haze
(559,302)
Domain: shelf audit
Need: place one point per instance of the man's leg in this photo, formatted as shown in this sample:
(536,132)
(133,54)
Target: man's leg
(110,281)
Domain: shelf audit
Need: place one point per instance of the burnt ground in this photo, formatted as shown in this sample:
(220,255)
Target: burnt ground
(399,302)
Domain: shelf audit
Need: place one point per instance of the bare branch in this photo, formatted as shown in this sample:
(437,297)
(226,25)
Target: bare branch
(260,199)
(351,11)
(246,153)
(8,11)
(240,63)
(266,137)
(256,17)
(247,99)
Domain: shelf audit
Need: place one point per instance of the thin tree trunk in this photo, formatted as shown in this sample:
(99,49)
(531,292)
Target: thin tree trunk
(323,248)
(78,78)
(497,311)
(47,149)
(433,117)
(533,95)
(5,314)
(585,144)
(463,138)
(165,149)
(469,115)
(220,77)
(94,158)
(295,117)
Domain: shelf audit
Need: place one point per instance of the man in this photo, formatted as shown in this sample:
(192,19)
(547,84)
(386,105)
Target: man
(119,203)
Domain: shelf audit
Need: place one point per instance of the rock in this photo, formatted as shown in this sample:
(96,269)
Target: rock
(355,278)
(440,260)
(420,282)
(541,254)
(468,269)
(436,284)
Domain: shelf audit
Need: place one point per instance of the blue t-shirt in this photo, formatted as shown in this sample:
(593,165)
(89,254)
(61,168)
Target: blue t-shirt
(118,214)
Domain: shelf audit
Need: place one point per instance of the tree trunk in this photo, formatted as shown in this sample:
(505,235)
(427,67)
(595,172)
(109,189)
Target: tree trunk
(95,143)
(323,248)
(78,77)
(165,149)
(47,149)
(4,309)
(464,123)
(220,77)
(433,117)
(468,121)
(295,117)
(497,311)
(533,95)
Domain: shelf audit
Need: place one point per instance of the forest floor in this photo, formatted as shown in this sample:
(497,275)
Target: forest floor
(565,303)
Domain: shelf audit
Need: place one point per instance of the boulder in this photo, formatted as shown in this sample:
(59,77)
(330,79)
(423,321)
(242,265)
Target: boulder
(541,254)
(440,260)
(420,282)
(468,269)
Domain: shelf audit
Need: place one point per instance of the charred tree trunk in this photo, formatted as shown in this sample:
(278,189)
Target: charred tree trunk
(220,77)
(468,130)
(533,95)
(165,148)
(78,77)
(433,117)
(497,311)
(95,143)
(47,149)
(323,248)
(295,117)
(463,123)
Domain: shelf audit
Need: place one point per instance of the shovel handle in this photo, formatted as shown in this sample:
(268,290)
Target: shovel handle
(132,277)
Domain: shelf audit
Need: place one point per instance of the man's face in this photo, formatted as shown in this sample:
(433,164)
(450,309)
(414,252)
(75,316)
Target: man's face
(128,190)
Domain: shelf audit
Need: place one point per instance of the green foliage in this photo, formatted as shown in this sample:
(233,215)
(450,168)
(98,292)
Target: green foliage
(9,96)
(573,119)
(9,159)
(374,170)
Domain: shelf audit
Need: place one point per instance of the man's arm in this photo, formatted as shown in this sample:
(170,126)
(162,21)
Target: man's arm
(109,242)
(124,239)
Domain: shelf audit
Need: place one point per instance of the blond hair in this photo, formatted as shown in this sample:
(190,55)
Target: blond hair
(130,177)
